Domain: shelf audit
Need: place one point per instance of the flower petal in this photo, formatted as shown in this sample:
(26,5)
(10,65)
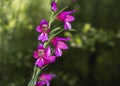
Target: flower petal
(69,18)
(38,29)
(47,83)
(43,37)
(40,36)
(39,62)
(47,77)
(58,52)
(62,45)
(52,58)
(42,22)
(65,16)
(35,55)
(49,59)
(40,83)
(54,6)
(62,39)
(67,26)
(72,11)
(40,46)
(48,51)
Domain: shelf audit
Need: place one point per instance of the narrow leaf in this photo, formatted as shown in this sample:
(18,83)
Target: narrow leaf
(56,29)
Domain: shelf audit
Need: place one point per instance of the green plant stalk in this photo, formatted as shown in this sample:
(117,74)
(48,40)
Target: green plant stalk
(51,18)
(61,11)
(33,80)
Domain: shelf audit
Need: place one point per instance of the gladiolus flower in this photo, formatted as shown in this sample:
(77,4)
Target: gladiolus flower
(45,79)
(66,17)
(54,6)
(59,45)
(43,56)
(43,28)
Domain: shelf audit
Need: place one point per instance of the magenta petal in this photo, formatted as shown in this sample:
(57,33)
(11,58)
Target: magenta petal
(35,55)
(47,77)
(40,36)
(47,83)
(62,39)
(48,51)
(40,83)
(62,16)
(65,16)
(39,62)
(36,63)
(54,6)
(70,12)
(58,52)
(38,29)
(43,22)
(49,59)
(69,18)
(43,37)
(62,45)
(52,58)
(40,46)
(67,25)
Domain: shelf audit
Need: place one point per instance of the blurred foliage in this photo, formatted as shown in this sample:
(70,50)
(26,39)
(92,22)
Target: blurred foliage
(93,57)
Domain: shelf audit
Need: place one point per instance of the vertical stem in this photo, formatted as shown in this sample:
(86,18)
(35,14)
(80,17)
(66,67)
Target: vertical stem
(34,76)
(51,19)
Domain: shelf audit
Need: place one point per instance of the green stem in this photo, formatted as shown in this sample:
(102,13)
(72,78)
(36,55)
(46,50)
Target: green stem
(60,11)
(51,19)
(34,76)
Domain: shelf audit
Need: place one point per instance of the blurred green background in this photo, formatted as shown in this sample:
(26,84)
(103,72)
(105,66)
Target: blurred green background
(93,58)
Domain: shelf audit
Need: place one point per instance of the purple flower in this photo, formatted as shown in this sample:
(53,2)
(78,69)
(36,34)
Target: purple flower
(59,45)
(66,17)
(43,28)
(43,56)
(54,6)
(45,79)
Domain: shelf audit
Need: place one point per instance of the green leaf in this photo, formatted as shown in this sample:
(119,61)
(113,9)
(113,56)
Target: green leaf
(61,10)
(54,30)
(53,35)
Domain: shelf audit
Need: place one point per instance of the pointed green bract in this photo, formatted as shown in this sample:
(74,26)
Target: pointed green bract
(54,30)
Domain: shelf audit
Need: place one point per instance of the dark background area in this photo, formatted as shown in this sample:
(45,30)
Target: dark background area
(93,58)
